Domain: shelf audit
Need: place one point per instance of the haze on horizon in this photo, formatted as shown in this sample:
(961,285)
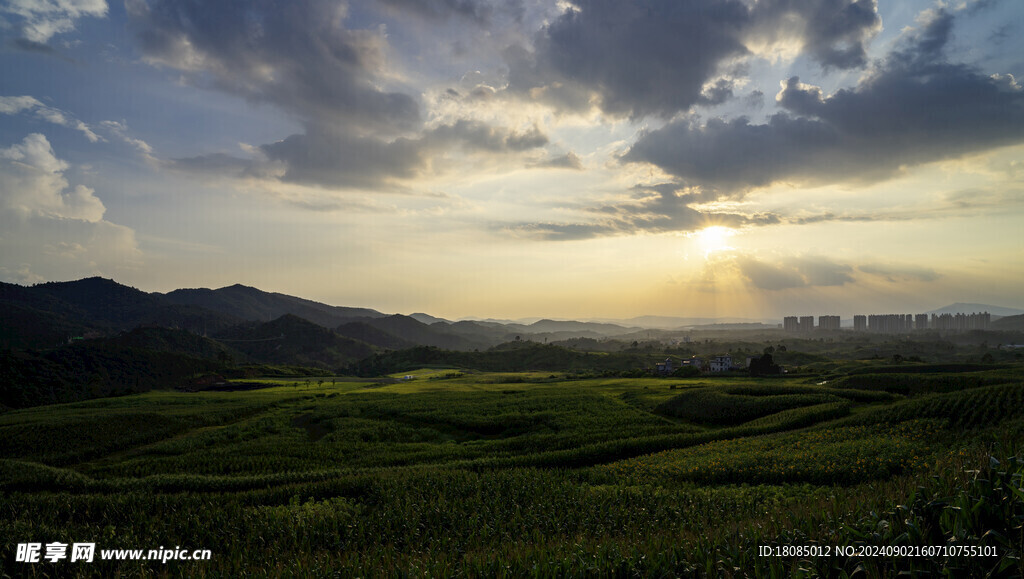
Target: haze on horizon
(587,159)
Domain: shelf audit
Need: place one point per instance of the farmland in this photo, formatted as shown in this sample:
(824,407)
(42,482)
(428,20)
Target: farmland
(453,472)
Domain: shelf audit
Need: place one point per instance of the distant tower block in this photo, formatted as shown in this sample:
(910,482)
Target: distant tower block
(806,323)
(828,322)
(921,322)
(860,323)
(790,324)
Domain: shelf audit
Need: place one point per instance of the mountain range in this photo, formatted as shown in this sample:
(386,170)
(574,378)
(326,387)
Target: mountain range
(252,325)
(68,341)
(960,308)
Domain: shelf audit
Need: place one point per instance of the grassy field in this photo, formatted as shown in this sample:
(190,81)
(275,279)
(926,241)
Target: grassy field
(452,472)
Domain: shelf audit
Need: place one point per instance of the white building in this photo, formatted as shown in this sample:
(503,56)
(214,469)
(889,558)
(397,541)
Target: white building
(721,363)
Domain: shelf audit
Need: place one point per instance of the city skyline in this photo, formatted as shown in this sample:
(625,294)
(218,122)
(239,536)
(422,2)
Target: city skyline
(589,159)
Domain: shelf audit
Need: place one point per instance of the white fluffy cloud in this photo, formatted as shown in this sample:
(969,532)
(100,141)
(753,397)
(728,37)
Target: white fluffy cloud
(39,20)
(51,228)
(13,105)
(32,183)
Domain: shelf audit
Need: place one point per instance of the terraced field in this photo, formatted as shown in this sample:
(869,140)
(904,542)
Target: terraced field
(458,473)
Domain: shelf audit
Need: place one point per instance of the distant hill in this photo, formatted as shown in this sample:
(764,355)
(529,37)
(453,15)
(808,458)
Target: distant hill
(374,336)
(46,315)
(174,341)
(552,326)
(510,357)
(294,340)
(249,303)
(490,334)
(96,299)
(674,323)
(412,330)
(92,369)
(25,327)
(1009,324)
(427,318)
(961,308)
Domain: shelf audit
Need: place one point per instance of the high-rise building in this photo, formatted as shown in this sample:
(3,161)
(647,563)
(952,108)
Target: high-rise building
(921,322)
(961,322)
(806,323)
(790,324)
(890,323)
(860,323)
(828,322)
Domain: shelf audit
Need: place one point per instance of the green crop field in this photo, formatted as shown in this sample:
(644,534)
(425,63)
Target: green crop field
(456,473)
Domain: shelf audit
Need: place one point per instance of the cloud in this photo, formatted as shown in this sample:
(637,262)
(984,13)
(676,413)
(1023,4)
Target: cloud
(30,46)
(834,33)
(655,209)
(12,105)
(894,273)
(913,108)
(301,57)
(478,136)
(119,129)
(769,277)
(656,57)
(478,11)
(850,218)
(341,160)
(32,183)
(37,21)
(297,55)
(793,272)
(48,227)
(569,160)
(632,58)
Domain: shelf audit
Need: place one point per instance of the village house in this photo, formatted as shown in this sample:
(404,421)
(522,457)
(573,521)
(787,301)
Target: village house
(664,368)
(721,363)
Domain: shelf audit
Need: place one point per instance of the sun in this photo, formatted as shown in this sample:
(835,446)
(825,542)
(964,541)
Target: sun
(714,238)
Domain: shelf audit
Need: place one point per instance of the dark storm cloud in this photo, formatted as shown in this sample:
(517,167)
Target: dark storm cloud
(717,93)
(300,57)
(567,161)
(297,55)
(30,46)
(323,156)
(640,58)
(805,271)
(654,57)
(479,11)
(914,108)
(339,159)
(214,164)
(479,136)
(834,33)
(656,209)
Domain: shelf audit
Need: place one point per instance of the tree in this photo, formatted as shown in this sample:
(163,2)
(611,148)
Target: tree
(686,371)
(764,366)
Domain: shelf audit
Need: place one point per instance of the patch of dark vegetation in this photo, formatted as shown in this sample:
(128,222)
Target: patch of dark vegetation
(917,384)
(315,426)
(229,387)
(719,407)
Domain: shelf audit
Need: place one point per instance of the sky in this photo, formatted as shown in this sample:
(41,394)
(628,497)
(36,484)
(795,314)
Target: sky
(516,158)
